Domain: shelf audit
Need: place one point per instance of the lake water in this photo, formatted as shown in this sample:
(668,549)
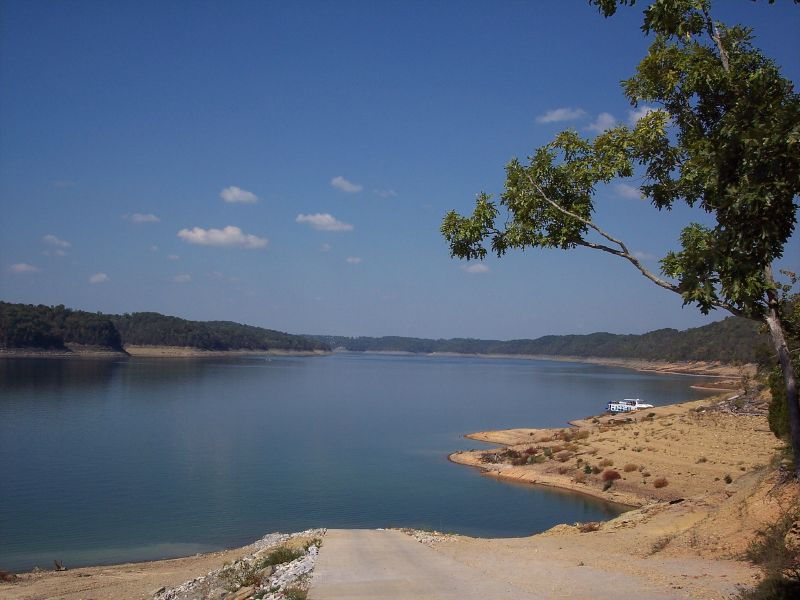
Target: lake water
(133,459)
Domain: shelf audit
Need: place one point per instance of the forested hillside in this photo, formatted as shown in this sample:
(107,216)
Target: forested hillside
(52,327)
(730,340)
(56,327)
(154,329)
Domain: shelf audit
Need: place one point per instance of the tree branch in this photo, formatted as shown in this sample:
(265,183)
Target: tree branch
(713,32)
(623,252)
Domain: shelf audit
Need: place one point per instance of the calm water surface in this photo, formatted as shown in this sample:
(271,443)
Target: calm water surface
(115,460)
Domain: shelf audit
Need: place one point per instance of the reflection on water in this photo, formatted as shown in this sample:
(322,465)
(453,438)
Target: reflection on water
(142,454)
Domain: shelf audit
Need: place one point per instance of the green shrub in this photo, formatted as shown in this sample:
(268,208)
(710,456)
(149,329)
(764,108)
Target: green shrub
(295,593)
(279,556)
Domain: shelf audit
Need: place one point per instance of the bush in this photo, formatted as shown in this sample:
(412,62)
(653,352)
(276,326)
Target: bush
(772,588)
(295,593)
(611,475)
(588,527)
(630,467)
(579,477)
(728,479)
(606,462)
(660,482)
(279,556)
(587,469)
(562,470)
(563,456)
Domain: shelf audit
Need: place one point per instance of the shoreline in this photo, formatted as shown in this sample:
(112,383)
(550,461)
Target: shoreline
(148,352)
(698,368)
(613,438)
(708,369)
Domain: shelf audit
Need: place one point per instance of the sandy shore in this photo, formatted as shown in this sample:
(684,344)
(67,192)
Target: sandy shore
(693,447)
(698,368)
(147,351)
(186,352)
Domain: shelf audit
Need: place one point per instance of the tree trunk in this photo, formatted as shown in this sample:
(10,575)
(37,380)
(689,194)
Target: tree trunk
(789,378)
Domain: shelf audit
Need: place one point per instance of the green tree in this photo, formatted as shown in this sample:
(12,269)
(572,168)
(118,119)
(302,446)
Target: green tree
(725,137)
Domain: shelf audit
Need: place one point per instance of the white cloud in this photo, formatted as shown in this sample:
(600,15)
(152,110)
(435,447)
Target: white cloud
(639,112)
(340,183)
(324,222)
(628,191)
(475,268)
(182,278)
(603,121)
(173,257)
(236,195)
(325,247)
(389,193)
(643,255)
(99,278)
(227,236)
(23,268)
(561,114)
(142,218)
(154,248)
(55,241)
(354,260)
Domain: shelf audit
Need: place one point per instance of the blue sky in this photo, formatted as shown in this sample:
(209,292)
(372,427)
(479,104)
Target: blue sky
(288,164)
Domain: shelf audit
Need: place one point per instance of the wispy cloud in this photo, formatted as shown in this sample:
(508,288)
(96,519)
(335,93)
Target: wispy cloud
(56,252)
(340,183)
(219,276)
(227,236)
(628,191)
(55,241)
(475,268)
(23,268)
(325,247)
(561,114)
(643,255)
(389,193)
(173,257)
(236,195)
(354,260)
(141,218)
(154,248)
(603,121)
(182,278)
(99,278)
(639,112)
(323,222)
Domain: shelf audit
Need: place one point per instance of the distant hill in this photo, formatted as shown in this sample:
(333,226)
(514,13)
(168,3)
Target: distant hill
(57,327)
(732,340)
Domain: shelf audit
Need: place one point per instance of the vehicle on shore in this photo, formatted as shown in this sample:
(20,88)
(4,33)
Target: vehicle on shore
(626,405)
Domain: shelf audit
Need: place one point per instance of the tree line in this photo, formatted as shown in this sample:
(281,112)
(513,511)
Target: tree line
(732,340)
(57,327)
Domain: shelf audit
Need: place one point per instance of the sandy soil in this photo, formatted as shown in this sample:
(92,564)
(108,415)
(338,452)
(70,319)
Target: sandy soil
(133,581)
(692,446)
(179,351)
